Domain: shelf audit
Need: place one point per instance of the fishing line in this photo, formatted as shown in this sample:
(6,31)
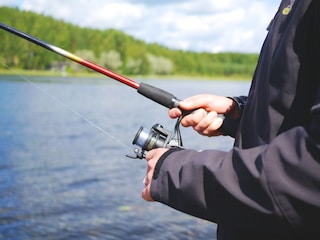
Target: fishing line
(155,94)
(57,100)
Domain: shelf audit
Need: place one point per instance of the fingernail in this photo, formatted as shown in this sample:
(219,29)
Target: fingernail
(176,113)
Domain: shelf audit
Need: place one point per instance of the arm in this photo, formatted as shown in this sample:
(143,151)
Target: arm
(272,187)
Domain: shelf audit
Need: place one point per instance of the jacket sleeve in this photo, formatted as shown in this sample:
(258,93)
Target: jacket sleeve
(230,126)
(272,187)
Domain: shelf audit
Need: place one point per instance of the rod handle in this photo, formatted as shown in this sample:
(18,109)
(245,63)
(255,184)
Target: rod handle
(158,95)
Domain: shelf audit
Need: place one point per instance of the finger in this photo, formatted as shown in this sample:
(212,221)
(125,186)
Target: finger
(145,182)
(213,128)
(194,118)
(150,154)
(146,195)
(206,121)
(195,102)
(148,178)
(175,112)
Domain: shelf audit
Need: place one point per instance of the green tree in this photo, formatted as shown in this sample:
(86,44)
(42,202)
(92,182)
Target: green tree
(160,65)
(111,59)
(111,48)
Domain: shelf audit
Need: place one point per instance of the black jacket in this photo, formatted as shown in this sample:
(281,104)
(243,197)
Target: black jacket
(268,185)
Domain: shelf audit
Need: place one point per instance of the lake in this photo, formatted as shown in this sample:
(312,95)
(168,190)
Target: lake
(63,178)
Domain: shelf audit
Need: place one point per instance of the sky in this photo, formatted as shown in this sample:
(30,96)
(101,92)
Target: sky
(195,25)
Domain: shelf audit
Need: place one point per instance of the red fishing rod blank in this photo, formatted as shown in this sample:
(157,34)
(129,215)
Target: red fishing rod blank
(158,95)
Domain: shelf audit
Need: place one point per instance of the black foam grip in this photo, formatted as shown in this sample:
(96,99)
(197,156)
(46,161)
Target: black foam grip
(158,95)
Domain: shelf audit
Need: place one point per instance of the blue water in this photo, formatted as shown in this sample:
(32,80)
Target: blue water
(62,178)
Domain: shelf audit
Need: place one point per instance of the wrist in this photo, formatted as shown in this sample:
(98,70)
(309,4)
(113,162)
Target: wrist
(162,159)
(235,109)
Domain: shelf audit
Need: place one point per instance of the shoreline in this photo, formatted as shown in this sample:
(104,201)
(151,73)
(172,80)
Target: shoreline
(50,73)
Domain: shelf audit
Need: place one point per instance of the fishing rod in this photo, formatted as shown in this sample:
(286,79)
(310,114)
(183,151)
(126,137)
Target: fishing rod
(145,139)
(156,94)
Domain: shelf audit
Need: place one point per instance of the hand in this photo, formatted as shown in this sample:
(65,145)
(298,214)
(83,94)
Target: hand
(205,119)
(152,158)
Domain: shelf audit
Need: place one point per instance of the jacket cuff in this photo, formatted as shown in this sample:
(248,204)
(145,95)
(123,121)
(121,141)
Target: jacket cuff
(161,160)
(240,101)
(229,126)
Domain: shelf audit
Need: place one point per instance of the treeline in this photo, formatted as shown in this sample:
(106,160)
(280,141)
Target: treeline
(110,48)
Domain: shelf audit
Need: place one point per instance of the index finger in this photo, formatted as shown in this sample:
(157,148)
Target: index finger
(196,102)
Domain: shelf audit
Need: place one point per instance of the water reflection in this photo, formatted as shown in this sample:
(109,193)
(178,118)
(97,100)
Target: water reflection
(60,178)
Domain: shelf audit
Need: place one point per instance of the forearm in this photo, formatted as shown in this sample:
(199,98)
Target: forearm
(259,188)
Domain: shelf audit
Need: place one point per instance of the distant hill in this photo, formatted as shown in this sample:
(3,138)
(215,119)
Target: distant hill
(110,48)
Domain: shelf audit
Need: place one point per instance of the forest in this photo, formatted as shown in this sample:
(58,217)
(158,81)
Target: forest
(110,48)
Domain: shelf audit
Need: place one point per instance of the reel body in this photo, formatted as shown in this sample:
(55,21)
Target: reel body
(156,137)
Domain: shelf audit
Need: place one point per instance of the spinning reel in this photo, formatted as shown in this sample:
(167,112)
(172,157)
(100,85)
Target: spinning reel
(156,137)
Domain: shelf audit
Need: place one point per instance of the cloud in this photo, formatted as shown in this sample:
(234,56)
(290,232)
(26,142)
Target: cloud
(202,25)
(7,2)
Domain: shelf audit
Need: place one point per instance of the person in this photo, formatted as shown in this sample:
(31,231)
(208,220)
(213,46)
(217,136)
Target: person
(268,185)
